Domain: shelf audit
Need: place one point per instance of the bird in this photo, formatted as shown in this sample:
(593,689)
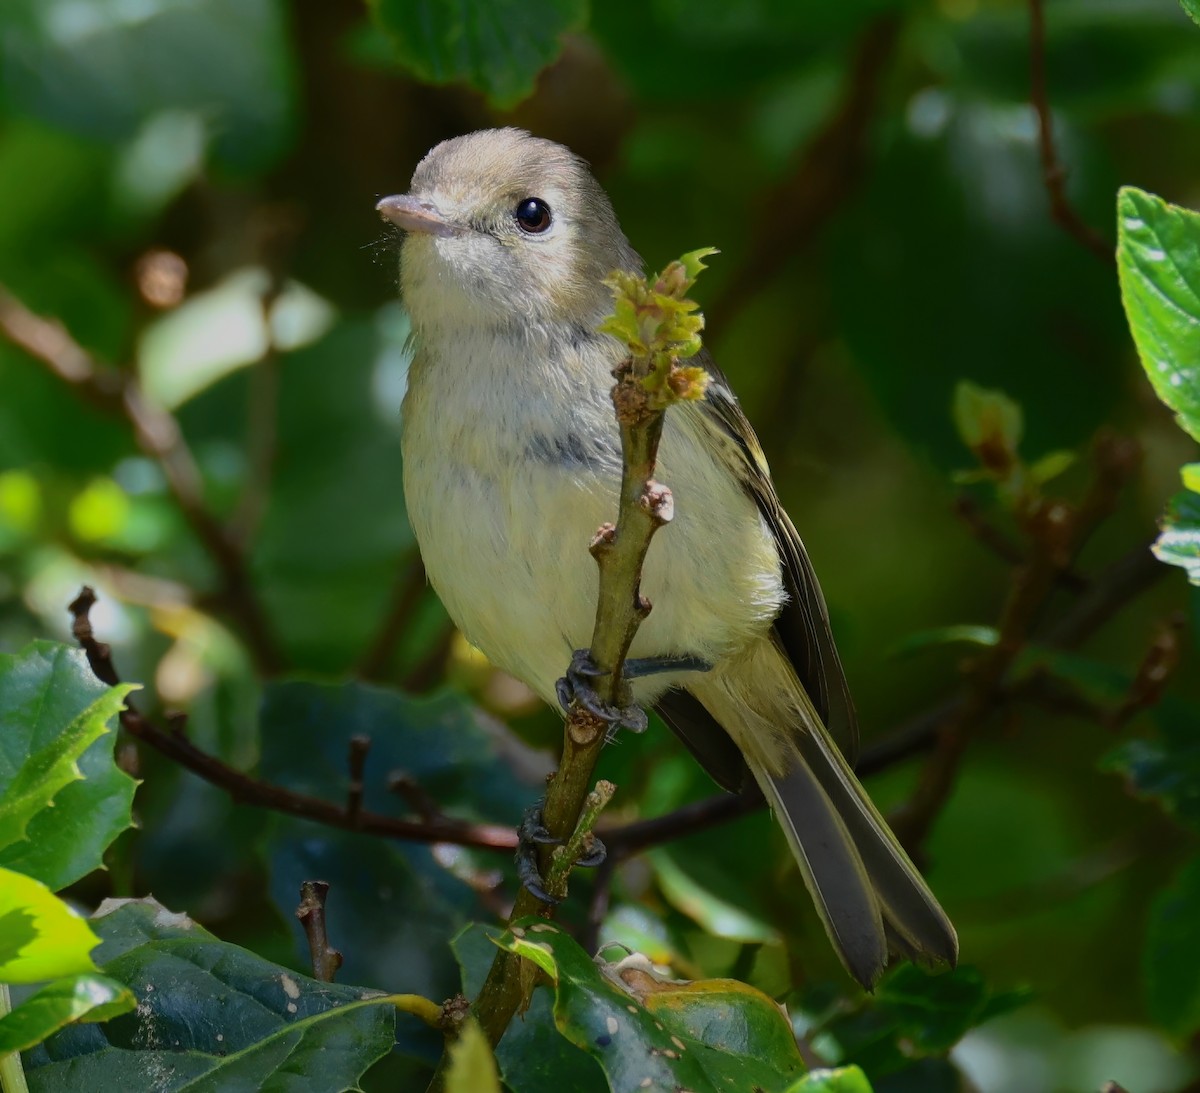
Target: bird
(511,461)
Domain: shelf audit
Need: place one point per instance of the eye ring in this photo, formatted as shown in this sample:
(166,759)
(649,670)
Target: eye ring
(532,215)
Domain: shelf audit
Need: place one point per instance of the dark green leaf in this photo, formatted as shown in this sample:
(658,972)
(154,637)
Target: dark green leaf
(1166,767)
(1158,257)
(496,46)
(86,998)
(1172,954)
(211,1016)
(53,713)
(649,1033)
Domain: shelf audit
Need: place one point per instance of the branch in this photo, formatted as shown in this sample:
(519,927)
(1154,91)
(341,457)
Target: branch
(1054,175)
(406,593)
(657,323)
(1056,532)
(245,789)
(825,174)
(157,433)
(325,959)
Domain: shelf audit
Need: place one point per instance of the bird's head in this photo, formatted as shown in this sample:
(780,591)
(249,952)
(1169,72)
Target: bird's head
(501,226)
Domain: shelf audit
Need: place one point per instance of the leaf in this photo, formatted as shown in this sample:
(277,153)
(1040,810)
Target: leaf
(990,424)
(915,1015)
(1192,7)
(1051,466)
(945,635)
(650,1033)
(1179,542)
(533,1055)
(472,1067)
(1172,954)
(691,895)
(845,1079)
(211,1016)
(87,998)
(1167,768)
(496,46)
(1158,259)
(41,937)
(52,710)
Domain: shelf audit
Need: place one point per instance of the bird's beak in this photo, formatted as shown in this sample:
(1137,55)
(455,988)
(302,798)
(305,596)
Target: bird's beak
(411,214)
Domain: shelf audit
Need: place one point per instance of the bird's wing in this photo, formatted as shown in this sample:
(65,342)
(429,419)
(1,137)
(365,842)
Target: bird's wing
(803,624)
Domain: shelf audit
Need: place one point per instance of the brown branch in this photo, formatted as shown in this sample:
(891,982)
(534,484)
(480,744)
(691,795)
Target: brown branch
(1054,175)
(406,593)
(826,172)
(1056,533)
(157,433)
(246,789)
(325,959)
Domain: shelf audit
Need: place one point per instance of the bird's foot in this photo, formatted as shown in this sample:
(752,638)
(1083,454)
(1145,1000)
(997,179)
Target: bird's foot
(531,834)
(576,686)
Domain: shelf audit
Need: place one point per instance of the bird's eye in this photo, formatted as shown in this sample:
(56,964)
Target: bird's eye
(532,215)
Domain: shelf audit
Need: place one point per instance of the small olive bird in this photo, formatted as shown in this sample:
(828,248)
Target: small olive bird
(512,460)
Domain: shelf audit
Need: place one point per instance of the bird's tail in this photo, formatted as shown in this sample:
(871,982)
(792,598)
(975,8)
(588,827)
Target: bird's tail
(872,900)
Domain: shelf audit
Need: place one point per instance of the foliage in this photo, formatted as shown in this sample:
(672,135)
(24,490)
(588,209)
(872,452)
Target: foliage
(205,428)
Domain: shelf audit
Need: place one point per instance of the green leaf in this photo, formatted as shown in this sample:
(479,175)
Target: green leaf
(1158,259)
(1167,768)
(651,1033)
(1192,7)
(845,1079)
(533,1055)
(86,998)
(52,710)
(1172,954)
(989,423)
(699,901)
(945,635)
(496,46)
(472,1067)
(1179,542)
(1051,466)
(211,1016)
(915,1015)
(41,937)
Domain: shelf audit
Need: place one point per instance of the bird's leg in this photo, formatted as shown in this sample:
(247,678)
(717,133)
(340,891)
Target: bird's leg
(531,834)
(576,685)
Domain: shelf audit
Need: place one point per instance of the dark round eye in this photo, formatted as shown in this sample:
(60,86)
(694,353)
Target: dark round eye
(533,215)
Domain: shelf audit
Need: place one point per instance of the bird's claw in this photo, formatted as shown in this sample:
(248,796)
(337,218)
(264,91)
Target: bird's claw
(576,686)
(531,834)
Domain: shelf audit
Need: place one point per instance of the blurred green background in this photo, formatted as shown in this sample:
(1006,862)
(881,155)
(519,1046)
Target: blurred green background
(188,186)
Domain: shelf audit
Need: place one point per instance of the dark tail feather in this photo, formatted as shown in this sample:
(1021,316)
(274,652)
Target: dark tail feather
(871,898)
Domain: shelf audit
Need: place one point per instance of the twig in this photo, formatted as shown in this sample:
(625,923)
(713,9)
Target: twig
(274,228)
(158,435)
(1054,175)
(325,959)
(407,591)
(825,174)
(1056,532)
(249,790)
